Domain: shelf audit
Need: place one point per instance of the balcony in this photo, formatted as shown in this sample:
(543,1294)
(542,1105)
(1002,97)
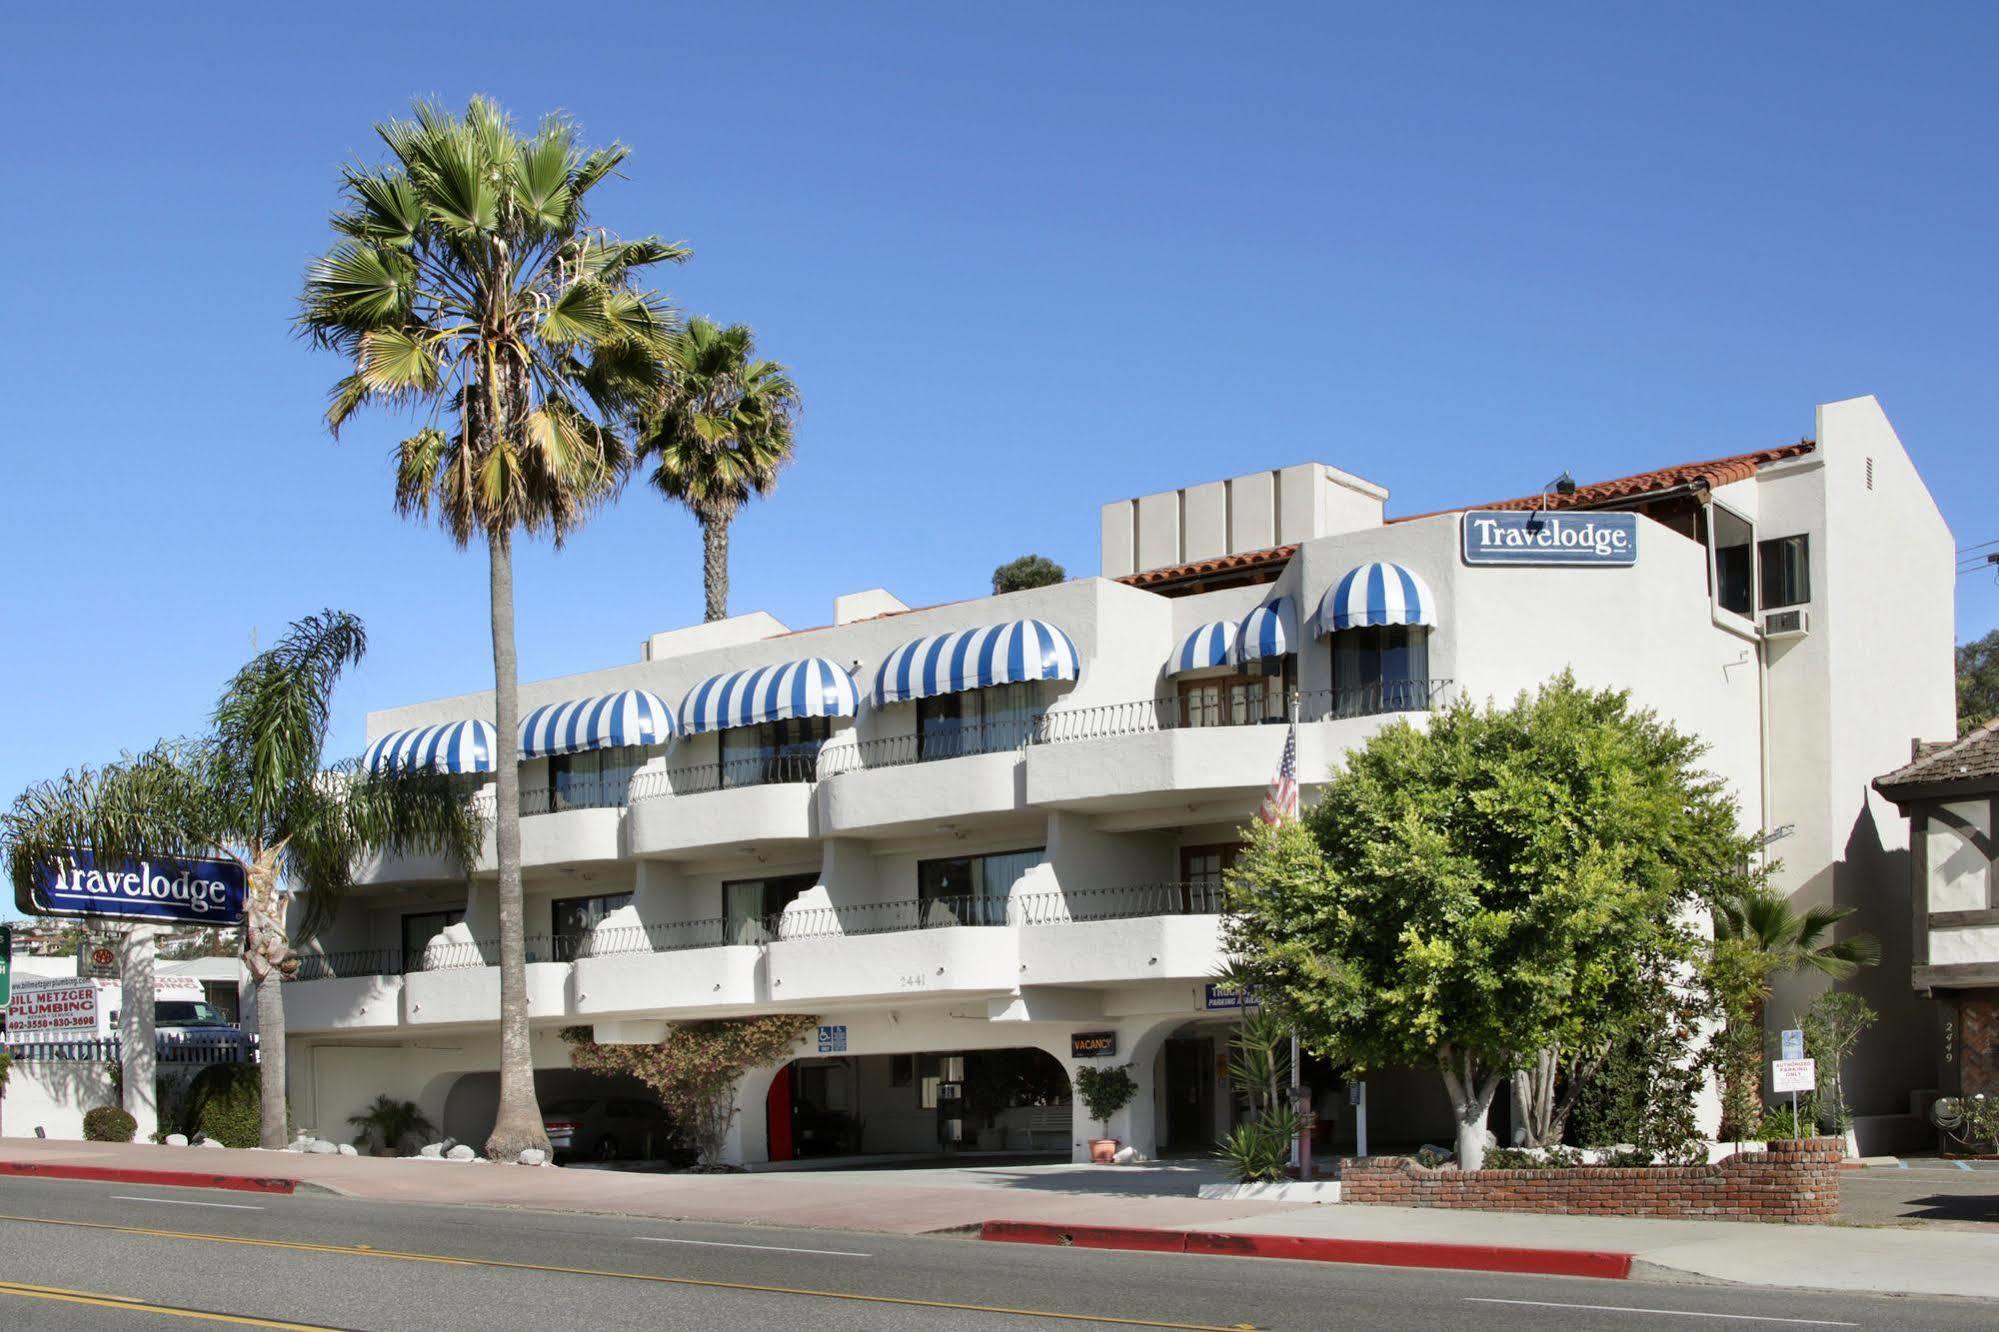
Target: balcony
(758,801)
(1152,754)
(903,782)
(911,947)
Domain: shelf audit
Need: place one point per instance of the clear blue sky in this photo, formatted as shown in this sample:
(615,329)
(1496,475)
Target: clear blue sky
(1023,262)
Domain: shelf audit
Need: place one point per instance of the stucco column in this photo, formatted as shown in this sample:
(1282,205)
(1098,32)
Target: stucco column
(748,1142)
(1137,1125)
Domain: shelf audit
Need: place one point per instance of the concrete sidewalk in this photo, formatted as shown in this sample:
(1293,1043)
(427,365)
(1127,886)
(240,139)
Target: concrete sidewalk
(1913,1260)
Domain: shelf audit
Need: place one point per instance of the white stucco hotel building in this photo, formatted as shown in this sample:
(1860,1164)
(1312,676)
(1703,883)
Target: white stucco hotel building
(1001,823)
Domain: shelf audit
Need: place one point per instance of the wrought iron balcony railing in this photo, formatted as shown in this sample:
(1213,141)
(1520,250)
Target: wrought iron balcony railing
(1081,906)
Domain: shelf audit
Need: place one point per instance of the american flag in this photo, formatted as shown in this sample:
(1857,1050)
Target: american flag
(1280,802)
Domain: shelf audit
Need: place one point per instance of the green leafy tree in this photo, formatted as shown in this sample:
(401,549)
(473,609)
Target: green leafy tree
(1471,894)
(1833,1026)
(1758,937)
(719,436)
(1025,572)
(255,791)
(1977,682)
(467,287)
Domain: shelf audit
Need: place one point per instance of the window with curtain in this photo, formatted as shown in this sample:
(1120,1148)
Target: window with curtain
(1242,699)
(749,906)
(1383,668)
(420,927)
(572,918)
(1201,875)
(595,779)
(773,751)
(971,890)
(977,721)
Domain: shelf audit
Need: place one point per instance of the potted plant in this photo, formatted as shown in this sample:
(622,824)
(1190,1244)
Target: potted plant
(1105,1091)
(388,1123)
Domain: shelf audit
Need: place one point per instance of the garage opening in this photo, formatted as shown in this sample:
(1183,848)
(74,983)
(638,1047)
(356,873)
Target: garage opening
(919,1107)
(589,1116)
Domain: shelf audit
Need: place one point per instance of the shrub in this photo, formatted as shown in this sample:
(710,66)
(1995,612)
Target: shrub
(1432,1158)
(1105,1091)
(1518,1158)
(107,1123)
(1780,1125)
(390,1124)
(1260,1149)
(225,1103)
(1025,572)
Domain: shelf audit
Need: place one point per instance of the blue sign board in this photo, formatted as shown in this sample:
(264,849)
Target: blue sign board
(159,888)
(1537,536)
(833,1040)
(1221,996)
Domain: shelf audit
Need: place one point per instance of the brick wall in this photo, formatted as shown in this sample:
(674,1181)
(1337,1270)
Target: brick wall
(1978,1044)
(1793,1181)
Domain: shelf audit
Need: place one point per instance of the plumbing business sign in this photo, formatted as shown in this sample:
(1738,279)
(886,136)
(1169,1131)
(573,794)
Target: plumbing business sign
(1536,536)
(170,889)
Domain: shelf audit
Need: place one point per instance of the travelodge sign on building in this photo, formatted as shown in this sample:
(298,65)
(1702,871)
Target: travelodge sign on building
(159,888)
(1537,536)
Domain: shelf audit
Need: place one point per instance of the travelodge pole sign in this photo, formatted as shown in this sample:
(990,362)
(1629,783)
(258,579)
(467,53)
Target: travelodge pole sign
(175,889)
(1538,536)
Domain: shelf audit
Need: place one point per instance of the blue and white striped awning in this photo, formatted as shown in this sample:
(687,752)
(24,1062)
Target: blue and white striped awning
(454,747)
(1208,646)
(1267,633)
(1377,594)
(811,687)
(631,717)
(994,654)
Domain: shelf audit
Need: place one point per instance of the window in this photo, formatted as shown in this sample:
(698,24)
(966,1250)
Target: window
(1785,571)
(572,919)
(1201,871)
(1734,574)
(420,927)
(1385,668)
(1240,700)
(750,906)
(773,751)
(598,779)
(971,890)
(977,721)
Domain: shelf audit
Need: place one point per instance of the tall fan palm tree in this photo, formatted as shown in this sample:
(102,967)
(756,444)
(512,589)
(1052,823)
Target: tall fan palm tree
(253,791)
(467,287)
(721,434)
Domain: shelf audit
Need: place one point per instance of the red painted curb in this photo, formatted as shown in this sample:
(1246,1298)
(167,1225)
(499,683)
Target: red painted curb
(179,1179)
(1599,1263)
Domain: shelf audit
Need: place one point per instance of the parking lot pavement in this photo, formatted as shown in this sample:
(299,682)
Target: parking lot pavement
(1922,1190)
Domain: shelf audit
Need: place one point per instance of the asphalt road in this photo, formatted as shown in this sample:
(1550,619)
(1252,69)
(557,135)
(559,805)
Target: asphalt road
(1965,1193)
(86,1255)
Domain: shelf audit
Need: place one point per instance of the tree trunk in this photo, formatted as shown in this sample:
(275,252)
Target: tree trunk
(1471,1090)
(273,1130)
(715,565)
(518,1126)
(265,950)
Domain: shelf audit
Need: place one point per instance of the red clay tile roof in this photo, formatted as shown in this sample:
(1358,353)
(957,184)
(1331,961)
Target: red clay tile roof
(1248,561)
(1975,758)
(1703,475)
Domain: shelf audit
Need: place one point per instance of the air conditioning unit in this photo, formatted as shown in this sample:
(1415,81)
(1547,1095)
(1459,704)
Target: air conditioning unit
(1786,624)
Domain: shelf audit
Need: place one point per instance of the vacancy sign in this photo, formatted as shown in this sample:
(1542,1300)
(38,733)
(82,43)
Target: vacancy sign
(1794,1075)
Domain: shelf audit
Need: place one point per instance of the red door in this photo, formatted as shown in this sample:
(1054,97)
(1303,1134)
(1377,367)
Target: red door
(777,1115)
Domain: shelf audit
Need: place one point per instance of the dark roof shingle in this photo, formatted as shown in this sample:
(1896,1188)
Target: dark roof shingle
(1974,758)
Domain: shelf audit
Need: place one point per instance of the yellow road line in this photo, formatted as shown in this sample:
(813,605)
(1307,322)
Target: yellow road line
(66,1296)
(363,1251)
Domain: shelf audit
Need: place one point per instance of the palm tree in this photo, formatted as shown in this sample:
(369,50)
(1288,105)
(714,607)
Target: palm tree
(467,288)
(1757,938)
(253,791)
(721,434)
